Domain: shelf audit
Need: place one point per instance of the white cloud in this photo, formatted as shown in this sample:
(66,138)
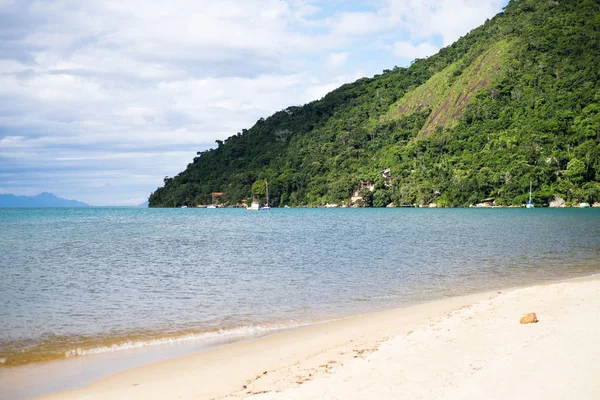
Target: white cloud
(141,115)
(318,90)
(449,19)
(111,91)
(410,51)
(11,67)
(304,10)
(421,19)
(360,23)
(336,60)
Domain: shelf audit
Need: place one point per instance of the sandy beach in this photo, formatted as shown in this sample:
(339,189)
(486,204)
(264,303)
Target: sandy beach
(463,347)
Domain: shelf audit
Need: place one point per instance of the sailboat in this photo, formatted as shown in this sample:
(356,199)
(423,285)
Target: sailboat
(266,207)
(530,204)
(254,206)
(213,201)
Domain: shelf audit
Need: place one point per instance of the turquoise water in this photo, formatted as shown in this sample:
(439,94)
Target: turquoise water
(84,281)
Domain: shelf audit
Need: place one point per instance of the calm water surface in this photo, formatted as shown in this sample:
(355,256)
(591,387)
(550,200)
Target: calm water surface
(83,281)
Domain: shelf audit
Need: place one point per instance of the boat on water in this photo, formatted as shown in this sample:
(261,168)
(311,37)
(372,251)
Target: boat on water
(530,204)
(584,205)
(266,206)
(255,206)
(212,205)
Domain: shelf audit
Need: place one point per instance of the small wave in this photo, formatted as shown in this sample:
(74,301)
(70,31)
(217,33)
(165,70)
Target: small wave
(60,347)
(583,277)
(239,332)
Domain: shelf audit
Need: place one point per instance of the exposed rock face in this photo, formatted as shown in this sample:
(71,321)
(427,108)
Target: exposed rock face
(557,202)
(596,204)
(530,318)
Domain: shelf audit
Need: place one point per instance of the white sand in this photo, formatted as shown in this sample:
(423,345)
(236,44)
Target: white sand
(471,347)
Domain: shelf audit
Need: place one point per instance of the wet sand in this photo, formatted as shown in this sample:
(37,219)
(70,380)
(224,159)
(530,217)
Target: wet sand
(461,347)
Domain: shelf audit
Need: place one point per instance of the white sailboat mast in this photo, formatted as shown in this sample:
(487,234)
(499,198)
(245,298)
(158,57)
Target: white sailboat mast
(529,192)
(267,190)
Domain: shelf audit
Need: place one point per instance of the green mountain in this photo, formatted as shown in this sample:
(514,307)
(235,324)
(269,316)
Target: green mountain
(515,100)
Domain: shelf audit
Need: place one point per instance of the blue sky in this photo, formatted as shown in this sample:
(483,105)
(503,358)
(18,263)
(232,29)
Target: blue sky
(104,98)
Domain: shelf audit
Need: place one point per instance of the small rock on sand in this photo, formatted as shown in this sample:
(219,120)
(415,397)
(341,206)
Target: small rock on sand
(530,318)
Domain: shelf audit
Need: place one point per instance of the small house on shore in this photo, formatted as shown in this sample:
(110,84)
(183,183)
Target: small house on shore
(363,185)
(489,202)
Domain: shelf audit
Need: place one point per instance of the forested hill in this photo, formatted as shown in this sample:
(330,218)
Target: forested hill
(515,100)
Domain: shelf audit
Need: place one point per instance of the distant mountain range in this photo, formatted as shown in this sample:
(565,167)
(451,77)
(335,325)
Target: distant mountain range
(41,200)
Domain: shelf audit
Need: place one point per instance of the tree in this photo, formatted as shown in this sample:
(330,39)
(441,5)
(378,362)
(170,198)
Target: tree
(515,100)
(259,188)
(575,170)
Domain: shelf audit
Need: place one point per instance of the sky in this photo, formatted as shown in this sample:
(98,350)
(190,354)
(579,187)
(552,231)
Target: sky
(101,99)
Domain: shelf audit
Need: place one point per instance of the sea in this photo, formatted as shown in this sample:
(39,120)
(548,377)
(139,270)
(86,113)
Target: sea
(79,283)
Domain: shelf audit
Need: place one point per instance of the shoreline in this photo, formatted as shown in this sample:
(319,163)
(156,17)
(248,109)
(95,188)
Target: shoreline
(208,339)
(421,206)
(92,346)
(238,369)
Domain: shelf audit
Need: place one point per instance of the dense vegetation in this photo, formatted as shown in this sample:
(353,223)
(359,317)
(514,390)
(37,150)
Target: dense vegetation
(515,100)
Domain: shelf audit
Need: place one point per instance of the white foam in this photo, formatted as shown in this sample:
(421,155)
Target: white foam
(239,332)
(583,277)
